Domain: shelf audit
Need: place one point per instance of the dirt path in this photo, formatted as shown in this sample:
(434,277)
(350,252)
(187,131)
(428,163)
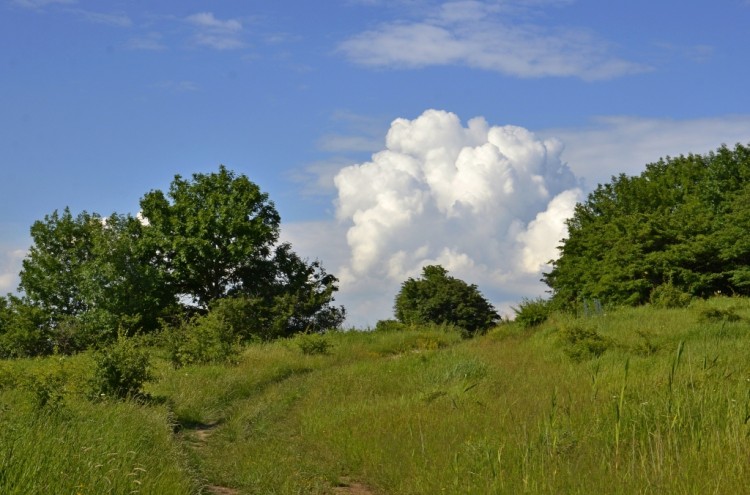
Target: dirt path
(198,439)
(199,435)
(350,487)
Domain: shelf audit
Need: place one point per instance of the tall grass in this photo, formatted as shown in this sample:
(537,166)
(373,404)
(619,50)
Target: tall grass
(663,408)
(87,448)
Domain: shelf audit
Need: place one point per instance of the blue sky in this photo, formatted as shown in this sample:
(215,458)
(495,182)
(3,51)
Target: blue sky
(101,102)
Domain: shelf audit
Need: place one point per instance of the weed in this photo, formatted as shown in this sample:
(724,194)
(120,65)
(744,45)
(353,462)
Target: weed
(719,315)
(646,346)
(313,344)
(532,312)
(583,343)
(390,326)
(669,296)
(47,391)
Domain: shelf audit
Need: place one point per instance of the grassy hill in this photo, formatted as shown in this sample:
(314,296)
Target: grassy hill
(629,401)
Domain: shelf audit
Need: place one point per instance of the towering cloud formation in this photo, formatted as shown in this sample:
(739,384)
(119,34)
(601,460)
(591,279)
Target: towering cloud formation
(486,202)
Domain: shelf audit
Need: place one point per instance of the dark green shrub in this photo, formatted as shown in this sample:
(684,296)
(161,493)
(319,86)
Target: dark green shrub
(646,346)
(313,344)
(24,329)
(202,339)
(532,312)
(717,315)
(390,326)
(582,343)
(444,300)
(121,370)
(47,391)
(669,296)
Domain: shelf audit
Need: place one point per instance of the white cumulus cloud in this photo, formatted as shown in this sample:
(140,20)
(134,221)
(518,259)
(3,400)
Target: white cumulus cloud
(486,202)
(491,36)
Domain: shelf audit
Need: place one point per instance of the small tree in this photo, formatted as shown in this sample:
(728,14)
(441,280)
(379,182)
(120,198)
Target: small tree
(440,298)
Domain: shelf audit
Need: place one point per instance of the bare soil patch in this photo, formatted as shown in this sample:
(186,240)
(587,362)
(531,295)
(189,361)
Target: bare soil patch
(349,487)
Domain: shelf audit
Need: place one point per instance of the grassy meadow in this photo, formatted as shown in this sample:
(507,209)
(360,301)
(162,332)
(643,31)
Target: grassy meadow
(630,401)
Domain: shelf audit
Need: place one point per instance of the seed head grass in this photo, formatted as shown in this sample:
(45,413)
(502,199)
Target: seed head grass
(664,407)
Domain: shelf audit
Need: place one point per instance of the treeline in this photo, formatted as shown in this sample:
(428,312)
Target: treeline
(202,257)
(681,229)
(202,267)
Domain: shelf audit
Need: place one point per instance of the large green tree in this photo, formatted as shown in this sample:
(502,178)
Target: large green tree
(683,222)
(437,297)
(214,235)
(210,239)
(94,269)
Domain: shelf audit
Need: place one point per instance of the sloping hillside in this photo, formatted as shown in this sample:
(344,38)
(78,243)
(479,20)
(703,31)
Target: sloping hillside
(629,401)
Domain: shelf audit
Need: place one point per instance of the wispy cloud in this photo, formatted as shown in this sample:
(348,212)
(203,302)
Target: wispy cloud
(149,41)
(216,33)
(625,144)
(486,35)
(354,133)
(119,20)
(316,179)
(694,53)
(344,143)
(178,86)
(67,6)
(40,4)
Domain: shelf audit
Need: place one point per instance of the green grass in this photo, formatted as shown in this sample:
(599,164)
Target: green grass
(665,408)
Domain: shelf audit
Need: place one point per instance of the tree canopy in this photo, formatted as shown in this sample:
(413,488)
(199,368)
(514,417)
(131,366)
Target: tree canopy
(683,223)
(211,238)
(215,236)
(440,298)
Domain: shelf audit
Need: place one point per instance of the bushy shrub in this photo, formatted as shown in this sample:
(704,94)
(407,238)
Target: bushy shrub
(669,296)
(582,343)
(313,344)
(390,326)
(202,339)
(47,391)
(441,299)
(24,329)
(121,370)
(646,346)
(532,312)
(715,315)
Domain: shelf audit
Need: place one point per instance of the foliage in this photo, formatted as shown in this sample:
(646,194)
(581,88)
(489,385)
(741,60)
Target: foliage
(208,338)
(211,238)
(389,326)
(301,295)
(23,329)
(121,370)
(683,222)
(719,314)
(313,344)
(214,234)
(669,296)
(583,342)
(532,312)
(215,240)
(89,264)
(439,298)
